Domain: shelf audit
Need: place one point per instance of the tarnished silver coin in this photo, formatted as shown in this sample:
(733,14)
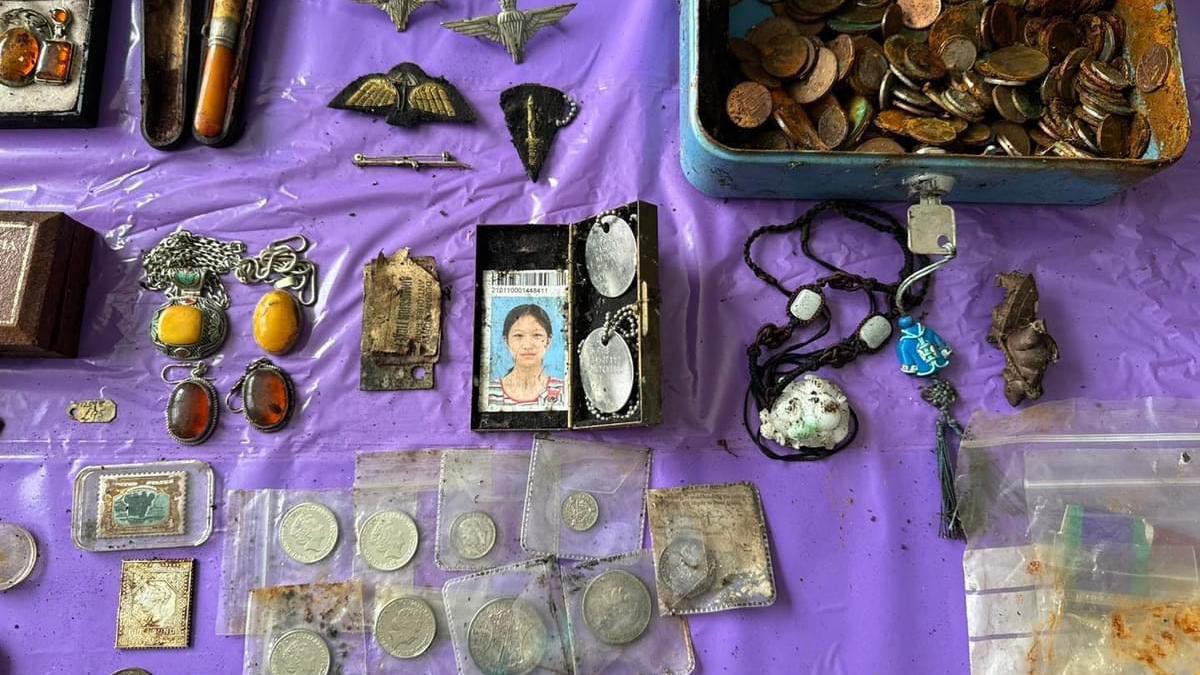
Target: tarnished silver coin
(580,511)
(299,652)
(405,627)
(683,567)
(18,555)
(308,532)
(606,371)
(473,534)
(616,607)
(507,637)
(387,540)
(611,256)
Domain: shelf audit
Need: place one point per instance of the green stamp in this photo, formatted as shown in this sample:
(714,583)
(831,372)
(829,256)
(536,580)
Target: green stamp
(142,504)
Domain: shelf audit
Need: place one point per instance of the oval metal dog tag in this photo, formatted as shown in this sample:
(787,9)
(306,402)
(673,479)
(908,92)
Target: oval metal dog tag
(611,256)
(606,371)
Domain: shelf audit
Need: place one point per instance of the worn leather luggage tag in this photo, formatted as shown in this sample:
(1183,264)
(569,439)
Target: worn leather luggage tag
(402,317)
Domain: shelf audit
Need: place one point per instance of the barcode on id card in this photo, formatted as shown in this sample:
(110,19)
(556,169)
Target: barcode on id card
(526,282)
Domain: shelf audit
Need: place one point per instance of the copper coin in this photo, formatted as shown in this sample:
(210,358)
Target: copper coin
(1040,138)
(920,63)
(920,14)
(1004,28)
(976,135)
(795,122)
(770,138)
(761,34)
(893,21)
(1002,99)
(743,50)
(832,126)
(749,105)
(820,80)
(1152,69)
(870,65)
(843,48)
(1017,63)
(753,70)
(930,130)
(1105,73)
(1058,38)
(1112,136)
(881,145)
(784,55)
(1139,137)
(892,121)
(1013,138)
(958,53)
(957,21)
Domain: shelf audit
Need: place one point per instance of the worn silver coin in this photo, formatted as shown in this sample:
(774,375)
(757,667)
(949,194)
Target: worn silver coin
(405,627)
(684,568)
(580,511)
(507,637)
(606,371)
(473,534)
(308,532)
(18,555)
(616,607)
(611,256)
(387,540)
(299,652)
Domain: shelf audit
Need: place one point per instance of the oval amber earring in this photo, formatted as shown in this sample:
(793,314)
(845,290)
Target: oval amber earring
(192,408)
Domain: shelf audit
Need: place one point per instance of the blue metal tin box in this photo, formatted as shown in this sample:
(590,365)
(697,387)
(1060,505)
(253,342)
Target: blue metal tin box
(724,171)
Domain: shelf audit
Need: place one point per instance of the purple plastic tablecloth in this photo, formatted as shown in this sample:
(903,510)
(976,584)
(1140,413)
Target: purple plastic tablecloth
(864,584)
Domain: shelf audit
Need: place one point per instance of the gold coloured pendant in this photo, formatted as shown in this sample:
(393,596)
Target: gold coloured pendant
(189,326)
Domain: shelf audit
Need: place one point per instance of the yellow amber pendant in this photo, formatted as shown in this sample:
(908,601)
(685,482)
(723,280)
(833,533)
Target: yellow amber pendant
(179,325)
(277,322)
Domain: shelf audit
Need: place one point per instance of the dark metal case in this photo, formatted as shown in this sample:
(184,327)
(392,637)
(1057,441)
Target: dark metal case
(170,46)
(539,247)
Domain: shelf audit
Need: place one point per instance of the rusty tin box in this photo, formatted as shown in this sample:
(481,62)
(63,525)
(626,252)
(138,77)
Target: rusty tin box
(554,255)
(721,170)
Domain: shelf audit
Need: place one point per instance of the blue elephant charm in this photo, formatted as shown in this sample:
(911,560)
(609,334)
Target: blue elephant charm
(922,352)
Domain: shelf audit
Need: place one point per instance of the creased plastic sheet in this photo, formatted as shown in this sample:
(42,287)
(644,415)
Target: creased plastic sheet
(864,584)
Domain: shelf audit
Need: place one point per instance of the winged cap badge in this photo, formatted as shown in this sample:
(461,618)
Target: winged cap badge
(534,113)
(512,27)
(406,96)
(398,11)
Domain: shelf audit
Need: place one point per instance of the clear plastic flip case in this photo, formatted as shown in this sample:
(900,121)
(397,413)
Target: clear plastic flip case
(609,480)
(254,556)
(664,647)
(287,626)
(521,620)
(123,507)
(438,657)
(481,497)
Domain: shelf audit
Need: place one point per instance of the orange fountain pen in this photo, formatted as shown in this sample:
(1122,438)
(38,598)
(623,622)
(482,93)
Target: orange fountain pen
(213,103)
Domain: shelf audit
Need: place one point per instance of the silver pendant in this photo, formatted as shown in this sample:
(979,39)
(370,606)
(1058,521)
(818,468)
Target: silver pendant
(189,326)
(606,371)
(810,413)
(611,255)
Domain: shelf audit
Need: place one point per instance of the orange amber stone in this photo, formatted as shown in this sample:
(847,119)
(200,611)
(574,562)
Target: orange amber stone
(55,65)
(267,398)
(19,52)
(191,412)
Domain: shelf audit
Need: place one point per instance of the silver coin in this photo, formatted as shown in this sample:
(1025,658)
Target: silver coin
(606,371)
(616,607)
(683,567)
(405,627)
(132,671)
(580,511)
(507,637)
(473,535)
(18,555)
(387,540)
(308,532)
(611,256)
(299,652)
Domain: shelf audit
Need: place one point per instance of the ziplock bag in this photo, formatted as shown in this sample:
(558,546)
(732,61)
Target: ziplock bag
(304,627)
(409,633)
(1082,537)
(614,626)
(281,537)
(585,500)
(480,498)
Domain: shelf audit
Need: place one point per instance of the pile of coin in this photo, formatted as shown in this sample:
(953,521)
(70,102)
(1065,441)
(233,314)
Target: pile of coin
(1016,77)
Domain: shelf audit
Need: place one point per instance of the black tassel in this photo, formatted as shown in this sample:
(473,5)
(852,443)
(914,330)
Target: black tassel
(942,395)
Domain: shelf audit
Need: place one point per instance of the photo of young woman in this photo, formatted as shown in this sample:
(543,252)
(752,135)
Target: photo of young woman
(527,385)
(524,364)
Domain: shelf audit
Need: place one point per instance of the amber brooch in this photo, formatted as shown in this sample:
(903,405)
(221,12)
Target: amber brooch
(406,96)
